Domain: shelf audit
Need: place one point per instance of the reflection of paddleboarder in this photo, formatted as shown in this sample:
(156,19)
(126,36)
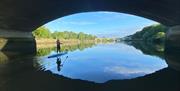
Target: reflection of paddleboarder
(58,45)
(58,62)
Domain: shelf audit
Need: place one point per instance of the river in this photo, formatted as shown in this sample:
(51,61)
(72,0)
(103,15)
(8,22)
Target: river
(92,67)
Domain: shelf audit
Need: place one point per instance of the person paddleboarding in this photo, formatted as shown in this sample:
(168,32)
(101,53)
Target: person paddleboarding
(58,46)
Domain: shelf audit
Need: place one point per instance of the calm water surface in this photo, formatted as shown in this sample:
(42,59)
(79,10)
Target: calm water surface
(102,62)
(128,66)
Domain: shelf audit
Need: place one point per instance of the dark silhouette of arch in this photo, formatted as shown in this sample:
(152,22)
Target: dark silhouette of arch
(27,15)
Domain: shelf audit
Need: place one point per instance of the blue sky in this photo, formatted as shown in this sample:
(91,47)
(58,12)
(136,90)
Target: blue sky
(101,24)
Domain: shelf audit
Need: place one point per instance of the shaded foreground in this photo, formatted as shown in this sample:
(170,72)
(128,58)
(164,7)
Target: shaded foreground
(22,76)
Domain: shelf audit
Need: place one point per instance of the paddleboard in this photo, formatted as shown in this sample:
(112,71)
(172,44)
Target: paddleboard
(57,55)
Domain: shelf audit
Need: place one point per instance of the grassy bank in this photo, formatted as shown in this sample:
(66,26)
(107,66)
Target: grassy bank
(48,42)
(45,43)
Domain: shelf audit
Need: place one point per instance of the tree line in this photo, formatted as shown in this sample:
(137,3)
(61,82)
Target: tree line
(153,33)
(43,32)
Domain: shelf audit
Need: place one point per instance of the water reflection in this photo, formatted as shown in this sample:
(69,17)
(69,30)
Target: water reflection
(71,48)
(104,62)
(59,65)
(148,48)
(20,73)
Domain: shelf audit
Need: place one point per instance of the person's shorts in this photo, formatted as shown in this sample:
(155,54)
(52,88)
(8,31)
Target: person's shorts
(58,47)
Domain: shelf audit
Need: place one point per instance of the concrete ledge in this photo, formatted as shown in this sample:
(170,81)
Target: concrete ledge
(15,34)
(17,41)
(20,45)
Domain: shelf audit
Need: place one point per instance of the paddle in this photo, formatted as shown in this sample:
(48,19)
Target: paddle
(65,60)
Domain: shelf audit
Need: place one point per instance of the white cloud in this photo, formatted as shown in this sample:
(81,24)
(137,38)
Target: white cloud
(115,15)
(77,22)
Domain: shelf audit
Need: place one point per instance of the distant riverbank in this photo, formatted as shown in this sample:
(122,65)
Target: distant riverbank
(154,33)
(44,43)
(47,42)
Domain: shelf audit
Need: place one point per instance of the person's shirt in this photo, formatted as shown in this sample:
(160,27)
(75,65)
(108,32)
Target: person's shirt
(58,42)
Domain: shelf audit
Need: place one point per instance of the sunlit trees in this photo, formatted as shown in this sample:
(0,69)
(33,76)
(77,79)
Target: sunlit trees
(81,36)
(44,32)
(153,33)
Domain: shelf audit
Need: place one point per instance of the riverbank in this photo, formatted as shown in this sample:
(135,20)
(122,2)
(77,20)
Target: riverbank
(154,33)
(45,43)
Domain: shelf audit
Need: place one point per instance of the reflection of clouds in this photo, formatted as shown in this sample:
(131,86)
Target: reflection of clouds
(127,70)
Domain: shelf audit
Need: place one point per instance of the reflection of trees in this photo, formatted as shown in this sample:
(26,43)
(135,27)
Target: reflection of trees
(44,51)
(70,47)
(82,46)
(149,48)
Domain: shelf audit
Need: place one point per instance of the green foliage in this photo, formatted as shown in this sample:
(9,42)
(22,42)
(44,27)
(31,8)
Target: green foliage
(44,51)
(81,46)
(72,35)
(104,40)
(149,48)
(43,32)
(82,36)
(160,36)
(153,33)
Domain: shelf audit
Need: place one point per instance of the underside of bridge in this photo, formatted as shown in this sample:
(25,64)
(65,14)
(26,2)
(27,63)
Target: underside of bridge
(26,15)
(18,18)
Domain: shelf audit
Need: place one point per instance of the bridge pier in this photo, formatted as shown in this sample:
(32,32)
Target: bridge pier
(173,38)
(17,42)
(172,47)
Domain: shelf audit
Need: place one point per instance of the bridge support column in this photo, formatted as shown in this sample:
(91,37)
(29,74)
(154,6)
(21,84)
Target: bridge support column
(16,41)
(173,39)
(172,47)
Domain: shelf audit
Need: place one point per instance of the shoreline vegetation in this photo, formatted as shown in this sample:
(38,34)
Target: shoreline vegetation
(44,38)
(45,43)
(153,34)
(150,40)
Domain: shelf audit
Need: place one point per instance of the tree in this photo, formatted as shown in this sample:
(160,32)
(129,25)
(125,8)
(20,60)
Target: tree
(151,33)
(42,32)
(81,36)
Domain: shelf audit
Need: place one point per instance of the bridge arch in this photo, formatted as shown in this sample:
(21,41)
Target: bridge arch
(86,12)
(18,18)
(24,15)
